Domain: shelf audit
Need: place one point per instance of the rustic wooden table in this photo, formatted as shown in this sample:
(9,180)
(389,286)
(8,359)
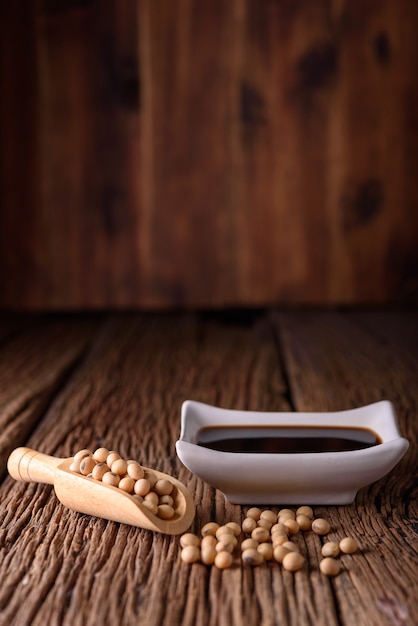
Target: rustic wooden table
(119,380)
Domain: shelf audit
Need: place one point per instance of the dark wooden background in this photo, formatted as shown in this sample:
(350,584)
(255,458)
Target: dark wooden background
(170,153)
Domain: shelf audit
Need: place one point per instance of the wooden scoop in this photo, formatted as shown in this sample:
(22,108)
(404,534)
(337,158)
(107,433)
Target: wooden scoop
(87,495)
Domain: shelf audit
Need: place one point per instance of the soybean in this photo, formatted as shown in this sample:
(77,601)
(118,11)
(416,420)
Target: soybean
(279,528)
(260,534)
(249,543)
(208,554)
(208,541)
(303,521)
(320,526)
(236,528)
(142,487)
(278,540)
(264,523)
(279,553)
(286,514)
(151,506)
(292,526)
(110,478)
(226,542)
(111,457)
(252,557)
(254,512)
(329,566)
(223,530)
(151,478)
(87,465)
(348,545)
(165,511)
(127,484)
(163,487)
(99,470)
(223,560)
(269,515)
(190,554)
(135,470)
(293,561)
(189,539)
(305,510)
(266,550)
(100,455)
(209,529)
(151,496)
(75,466)
(119,466)
(249,524)
(290,546)
(166,500)
(331,548)
(81,454)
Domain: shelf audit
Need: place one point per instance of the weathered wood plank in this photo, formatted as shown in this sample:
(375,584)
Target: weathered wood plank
(127,392)
(335,364)
(33,365)
(398,329)
(187,112)
(191,153)
(287,84)
(369,177)
(11,324)
(89,102)
(20,255)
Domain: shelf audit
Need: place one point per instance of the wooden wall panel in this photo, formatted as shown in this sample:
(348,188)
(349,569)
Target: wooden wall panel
(208,153)
(287,94)
(377,133)
(187,118)
(20,254)
(89,93)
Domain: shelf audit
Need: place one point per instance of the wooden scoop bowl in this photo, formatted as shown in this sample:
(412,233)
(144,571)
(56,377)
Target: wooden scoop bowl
(87,495)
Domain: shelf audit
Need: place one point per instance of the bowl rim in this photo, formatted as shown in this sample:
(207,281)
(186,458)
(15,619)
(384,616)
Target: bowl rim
(379,417)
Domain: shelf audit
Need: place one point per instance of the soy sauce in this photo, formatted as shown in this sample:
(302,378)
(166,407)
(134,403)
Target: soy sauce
(285,439)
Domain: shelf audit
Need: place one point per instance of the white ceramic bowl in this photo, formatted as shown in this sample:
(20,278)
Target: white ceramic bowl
(299,478)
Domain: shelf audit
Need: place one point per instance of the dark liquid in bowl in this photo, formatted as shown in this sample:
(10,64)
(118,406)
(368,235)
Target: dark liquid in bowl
(285,439)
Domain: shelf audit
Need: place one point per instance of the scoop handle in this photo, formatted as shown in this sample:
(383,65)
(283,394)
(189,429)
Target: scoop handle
(32,466)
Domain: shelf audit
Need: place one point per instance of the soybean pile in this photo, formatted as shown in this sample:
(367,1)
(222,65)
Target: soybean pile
(267,537)
(107,466)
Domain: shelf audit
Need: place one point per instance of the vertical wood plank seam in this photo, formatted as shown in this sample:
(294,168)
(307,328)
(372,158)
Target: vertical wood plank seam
(277,334)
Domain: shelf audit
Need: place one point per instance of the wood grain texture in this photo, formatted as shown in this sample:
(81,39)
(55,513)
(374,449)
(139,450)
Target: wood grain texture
(336,363)
(33,364)
(21,255)
(201,153)
(126,393)
(89,102)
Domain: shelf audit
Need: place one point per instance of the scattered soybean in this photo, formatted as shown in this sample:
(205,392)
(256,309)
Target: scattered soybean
(269,540)
(293,561)
(223,560)
(330,566)
(254,512)
(331,548)
(190,554)
(321,526)
(252,557)
(209,529)
(348,545)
